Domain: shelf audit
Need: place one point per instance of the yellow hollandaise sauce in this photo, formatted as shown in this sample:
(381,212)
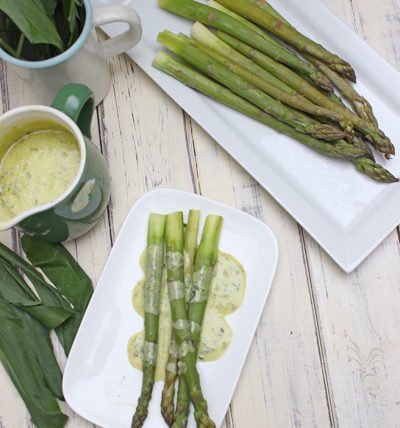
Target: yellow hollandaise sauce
(227,291)
(38,168)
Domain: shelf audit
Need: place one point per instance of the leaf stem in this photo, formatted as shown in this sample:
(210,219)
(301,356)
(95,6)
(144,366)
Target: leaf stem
(4,45)
(20,45)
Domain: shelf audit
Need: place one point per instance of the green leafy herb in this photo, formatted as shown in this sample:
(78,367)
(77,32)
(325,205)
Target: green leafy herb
(48,294)
(27,314)
(39,29)
(16,291)
(38,319)
(32,21)
(49,6)
(67,276)
(29,366)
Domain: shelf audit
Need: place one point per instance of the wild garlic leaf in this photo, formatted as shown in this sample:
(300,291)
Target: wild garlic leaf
(23,356)
(67,276)
(32,21)
(49,6)
(16,291)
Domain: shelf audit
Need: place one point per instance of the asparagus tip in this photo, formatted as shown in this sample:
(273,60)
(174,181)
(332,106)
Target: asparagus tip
(375,171)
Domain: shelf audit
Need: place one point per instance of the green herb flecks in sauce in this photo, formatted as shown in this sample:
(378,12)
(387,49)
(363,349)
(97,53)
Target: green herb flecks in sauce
(38,168)
(227,292)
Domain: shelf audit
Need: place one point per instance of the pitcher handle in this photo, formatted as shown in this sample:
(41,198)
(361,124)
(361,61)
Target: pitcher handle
(124,41)
(77,102)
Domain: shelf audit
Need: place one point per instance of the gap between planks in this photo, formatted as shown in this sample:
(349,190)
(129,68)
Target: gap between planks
(318,333)
(103,148)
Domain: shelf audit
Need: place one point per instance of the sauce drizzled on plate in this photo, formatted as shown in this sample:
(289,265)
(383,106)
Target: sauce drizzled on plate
(226,295)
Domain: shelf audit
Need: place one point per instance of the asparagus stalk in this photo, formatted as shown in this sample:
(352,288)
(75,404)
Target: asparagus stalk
(286,32)
(152,296)
(168,392)
(374,170)
(215,48)
(360,104)
(250,25)
(207,15)
(182,405)
(206,258)
(202,34)
(205,36)
(190,247)
(195,80)
(263,4)
(242,87)
(349,119)
(180,324)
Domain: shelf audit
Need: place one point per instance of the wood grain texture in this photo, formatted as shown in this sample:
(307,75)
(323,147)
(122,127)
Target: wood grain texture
(326,350)
(358,313)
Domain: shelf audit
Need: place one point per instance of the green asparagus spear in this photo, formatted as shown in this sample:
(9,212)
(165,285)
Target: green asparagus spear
(212,46)
(290,35)
(360,104)
(281,72)
(190,247)
(168,392)
(216,5)
(193,55)
(207,15)
(182,405)
(263,4)
(180,324)
(206,258)
(374,170)
(195,80)
(152,296)
(349,119)
(202,34)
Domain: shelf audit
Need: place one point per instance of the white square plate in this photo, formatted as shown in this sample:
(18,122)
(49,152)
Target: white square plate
(99,382)
(346,213)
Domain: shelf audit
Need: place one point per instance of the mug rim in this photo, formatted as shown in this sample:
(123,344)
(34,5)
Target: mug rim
(64,56)
(80,139)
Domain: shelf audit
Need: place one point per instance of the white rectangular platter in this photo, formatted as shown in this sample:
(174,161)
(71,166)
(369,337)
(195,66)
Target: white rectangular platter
(346,213)
(99,383)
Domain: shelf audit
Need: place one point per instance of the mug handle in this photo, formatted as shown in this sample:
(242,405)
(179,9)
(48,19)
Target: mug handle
(77,102)
(124,41)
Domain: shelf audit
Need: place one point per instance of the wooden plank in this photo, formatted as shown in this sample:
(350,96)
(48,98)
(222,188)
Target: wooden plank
(282,384)
(144,139)
(357,314)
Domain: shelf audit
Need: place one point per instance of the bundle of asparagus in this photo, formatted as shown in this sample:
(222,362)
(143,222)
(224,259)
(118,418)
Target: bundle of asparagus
(189,272)
(246,64)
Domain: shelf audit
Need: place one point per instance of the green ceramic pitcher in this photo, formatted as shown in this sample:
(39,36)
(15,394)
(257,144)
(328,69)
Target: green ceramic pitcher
(79,208)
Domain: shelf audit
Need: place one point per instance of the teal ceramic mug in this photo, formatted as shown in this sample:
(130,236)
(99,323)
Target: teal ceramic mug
(78,208)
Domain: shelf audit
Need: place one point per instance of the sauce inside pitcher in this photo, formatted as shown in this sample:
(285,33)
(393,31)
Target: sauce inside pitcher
(36,168)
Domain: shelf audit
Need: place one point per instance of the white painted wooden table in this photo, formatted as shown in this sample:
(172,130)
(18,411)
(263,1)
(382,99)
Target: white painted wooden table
(327,350)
